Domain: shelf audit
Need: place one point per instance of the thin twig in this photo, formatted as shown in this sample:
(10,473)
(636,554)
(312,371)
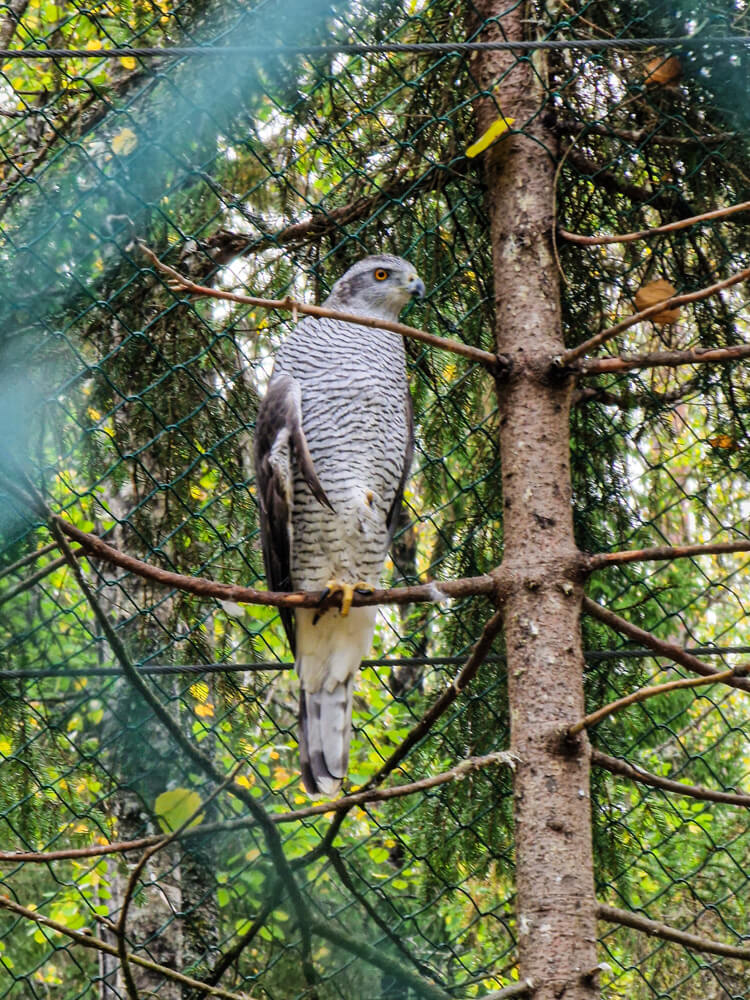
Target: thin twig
(665,552)
(661,648)
(676,300)
(642,234)
(484,358)
(648,692)
(425,592)
(654,928)
(636,773)
(664,359)
(88,940)
(343,804)
(230,956)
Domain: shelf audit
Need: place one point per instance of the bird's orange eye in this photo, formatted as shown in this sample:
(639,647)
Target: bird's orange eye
(381,274)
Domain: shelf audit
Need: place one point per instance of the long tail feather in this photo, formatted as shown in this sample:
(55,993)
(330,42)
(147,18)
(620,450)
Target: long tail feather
(325,730)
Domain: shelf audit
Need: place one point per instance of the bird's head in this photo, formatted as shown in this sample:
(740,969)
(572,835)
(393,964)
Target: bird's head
(378,286)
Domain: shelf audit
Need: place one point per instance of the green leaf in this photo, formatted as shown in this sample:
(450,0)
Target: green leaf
(175,807)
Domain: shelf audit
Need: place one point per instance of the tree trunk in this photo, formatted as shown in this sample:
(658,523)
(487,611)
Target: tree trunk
(541,565)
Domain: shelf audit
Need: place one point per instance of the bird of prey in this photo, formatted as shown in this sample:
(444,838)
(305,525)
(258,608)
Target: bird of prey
(333,447)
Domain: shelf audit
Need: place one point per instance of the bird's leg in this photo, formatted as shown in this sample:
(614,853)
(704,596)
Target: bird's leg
(347,591)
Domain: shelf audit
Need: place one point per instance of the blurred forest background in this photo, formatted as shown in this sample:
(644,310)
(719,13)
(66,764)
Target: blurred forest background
(131,406)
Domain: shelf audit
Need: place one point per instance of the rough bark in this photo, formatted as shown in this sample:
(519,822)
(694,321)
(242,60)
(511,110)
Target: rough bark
(541,565)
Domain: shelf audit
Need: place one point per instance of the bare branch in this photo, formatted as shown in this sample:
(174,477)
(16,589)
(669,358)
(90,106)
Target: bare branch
(665,552)
(661,648)
(628,770)
(642,234)
(90,941)
(664,359)
(677,300)
(344,804)
(427,592)
(182,283)
(643,694)
(654,928)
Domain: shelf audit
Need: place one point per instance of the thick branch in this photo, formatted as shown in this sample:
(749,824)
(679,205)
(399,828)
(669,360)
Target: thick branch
(89,941)
(665,552)
(489,361)
(627,770)
(664,359)
(428,592)
(661,648)
(654,928)
(643,694)
(225,246)
(642,234)
(677,300)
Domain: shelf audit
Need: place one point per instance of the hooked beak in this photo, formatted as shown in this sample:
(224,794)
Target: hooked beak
(416,287)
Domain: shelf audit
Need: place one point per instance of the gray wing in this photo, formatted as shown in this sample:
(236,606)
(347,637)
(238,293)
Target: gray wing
(395,508)
(280,448)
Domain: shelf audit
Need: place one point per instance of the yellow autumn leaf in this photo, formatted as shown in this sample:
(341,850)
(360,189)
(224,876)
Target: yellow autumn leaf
(494,132)
(199,691)
(204,711)
(5,747)
(124,142)
(128,62)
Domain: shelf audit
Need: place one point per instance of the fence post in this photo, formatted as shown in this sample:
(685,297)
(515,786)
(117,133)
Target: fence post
(554,861)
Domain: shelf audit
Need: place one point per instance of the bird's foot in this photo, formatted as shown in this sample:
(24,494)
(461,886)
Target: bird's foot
(347,591)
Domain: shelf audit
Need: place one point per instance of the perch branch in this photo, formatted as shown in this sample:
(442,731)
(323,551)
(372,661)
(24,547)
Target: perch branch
(649,692)
(345,803)
(664,359)
(182,283)
(628,770)
(642,234)
(661,648)
(654,928)
(676,300)
(667,552)
(426,592)
(90,941)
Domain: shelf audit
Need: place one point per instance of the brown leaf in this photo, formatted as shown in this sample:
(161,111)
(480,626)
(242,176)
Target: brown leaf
(657,291)
(662,72)
(724,442)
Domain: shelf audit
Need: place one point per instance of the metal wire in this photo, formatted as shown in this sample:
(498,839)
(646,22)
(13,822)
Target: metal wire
(358,48)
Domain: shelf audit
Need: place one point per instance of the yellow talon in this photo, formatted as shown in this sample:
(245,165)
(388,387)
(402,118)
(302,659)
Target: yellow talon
(347,591)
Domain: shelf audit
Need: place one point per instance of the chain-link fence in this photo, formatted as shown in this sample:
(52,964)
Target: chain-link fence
(128,407)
